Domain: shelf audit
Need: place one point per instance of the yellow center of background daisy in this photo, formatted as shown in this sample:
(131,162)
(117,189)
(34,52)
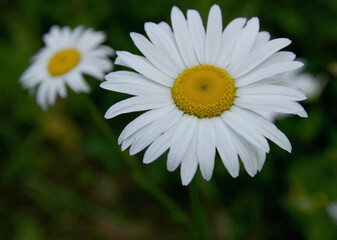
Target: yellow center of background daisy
(63,61)
(204,91)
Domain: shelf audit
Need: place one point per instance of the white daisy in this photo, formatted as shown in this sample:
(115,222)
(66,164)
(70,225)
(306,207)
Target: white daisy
(201,90)
(66,56)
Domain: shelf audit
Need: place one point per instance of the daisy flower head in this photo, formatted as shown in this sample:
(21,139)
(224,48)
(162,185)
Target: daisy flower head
(201,89)
(67,54)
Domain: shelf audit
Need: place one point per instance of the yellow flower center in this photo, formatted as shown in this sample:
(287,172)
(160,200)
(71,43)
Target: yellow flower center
(63,61)
(204,91)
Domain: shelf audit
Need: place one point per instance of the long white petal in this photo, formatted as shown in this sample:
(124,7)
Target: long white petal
(156,57)
(229,38)
(95,67)
(162,37)
(206,148)
(213,34)
(76,82)
(135,104)
(182,37)
(245,41)
(251,156)
(224,145)
(180,141)
(144,67)
(286,92)
(272,105)
(198,34)
(143,120)
(266,72)
(90,39)
(276,58)
(132,83)
(261,38)
(159,145)
(257,56)
(41,97)
(52,93)
(266,128)
(133,78)
(61,89)
(150,132)
(189,163)
(240,125)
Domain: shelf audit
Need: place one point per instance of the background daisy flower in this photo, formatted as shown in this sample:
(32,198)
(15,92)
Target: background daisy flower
(66,56)
(203,89)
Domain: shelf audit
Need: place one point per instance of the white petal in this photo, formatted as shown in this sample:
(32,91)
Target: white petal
(149,133)
(229,38)
(272,105)
(61,89)
(156,58)
(140,103)
(144,67)
(76,82)
(159,145)
(143,120)
(224,145)
(41,97)
(213,34)
(266,72)
(119,61)
(77,32)
(276,58)
(100,52)
(162,37)
(240,125)
(198,34)
(52,93)
(261,38)
(266,128)
(167,29)
(90,39)
(189,163)
(32,76)
(132,83)
(95,67)
(251,157)
(277,91)
(245,41)
(259,55)
(206,148)
(52,38)
(180,141)
(182,37)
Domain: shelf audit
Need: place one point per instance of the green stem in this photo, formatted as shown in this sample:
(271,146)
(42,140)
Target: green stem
(137,174)
(200,222)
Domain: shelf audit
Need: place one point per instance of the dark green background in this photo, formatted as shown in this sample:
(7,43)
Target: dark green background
(61,179)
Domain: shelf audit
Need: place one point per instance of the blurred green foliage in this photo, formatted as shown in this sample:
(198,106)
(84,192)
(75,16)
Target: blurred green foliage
(61,179)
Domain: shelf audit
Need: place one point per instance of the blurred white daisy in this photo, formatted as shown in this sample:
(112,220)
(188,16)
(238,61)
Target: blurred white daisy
(201,90)
(66,56)
(332,210)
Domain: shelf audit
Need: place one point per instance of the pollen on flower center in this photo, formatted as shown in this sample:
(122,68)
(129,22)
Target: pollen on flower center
(204,91)
(63,61)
